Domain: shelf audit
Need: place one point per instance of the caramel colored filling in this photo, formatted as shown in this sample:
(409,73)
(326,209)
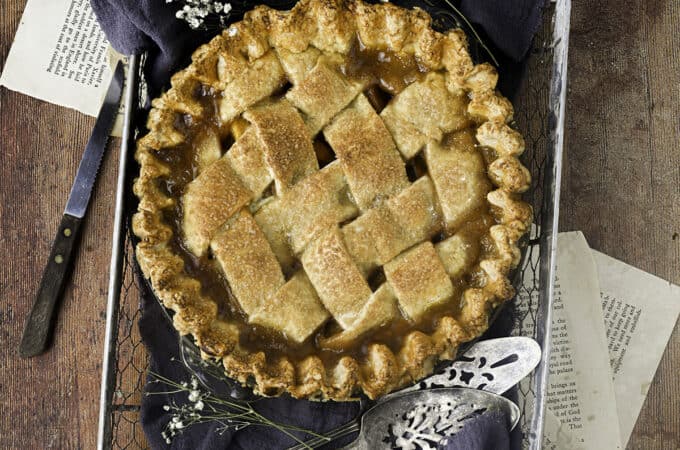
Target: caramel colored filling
(386,74)
(388,70)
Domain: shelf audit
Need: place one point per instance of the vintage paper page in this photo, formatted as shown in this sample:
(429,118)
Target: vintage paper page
(581,392)
(640,311)
(556,435)
(60,55)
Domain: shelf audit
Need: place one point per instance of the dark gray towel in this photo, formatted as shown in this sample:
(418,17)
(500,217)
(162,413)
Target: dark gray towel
(135,26)
(489,432)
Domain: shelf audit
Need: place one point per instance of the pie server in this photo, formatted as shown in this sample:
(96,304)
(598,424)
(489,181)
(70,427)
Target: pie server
(420,416)
(41,318)
(425,419)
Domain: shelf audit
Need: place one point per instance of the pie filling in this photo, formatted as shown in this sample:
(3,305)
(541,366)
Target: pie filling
(455,233)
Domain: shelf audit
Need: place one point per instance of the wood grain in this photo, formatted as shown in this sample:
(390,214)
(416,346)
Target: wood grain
(50,401)
(622,165)
(621,187)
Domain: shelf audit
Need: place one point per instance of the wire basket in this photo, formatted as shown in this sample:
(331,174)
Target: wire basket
(539,115)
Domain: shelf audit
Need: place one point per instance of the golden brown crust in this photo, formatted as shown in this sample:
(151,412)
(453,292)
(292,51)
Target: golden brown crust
(364,147)
(288,150)
(233,63)
(419,280)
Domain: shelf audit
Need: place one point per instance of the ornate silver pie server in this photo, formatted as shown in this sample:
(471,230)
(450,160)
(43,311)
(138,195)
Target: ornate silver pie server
(423,419)
(493,365)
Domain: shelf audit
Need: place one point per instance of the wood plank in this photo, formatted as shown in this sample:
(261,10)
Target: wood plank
(622,165)
(50,401)
(42,145)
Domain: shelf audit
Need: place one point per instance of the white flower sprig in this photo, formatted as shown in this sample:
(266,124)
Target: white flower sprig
(195,12)
(203,406)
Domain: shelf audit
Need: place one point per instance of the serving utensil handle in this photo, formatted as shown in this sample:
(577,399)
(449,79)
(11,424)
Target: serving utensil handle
(40,322)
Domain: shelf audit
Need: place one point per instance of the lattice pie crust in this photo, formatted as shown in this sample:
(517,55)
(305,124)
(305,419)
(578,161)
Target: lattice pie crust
(328,198)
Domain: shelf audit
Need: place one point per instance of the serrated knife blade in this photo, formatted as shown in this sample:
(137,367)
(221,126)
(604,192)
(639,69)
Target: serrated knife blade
(81,190)
(40,320)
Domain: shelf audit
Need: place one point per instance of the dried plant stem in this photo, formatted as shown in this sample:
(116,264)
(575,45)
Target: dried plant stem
(230,414)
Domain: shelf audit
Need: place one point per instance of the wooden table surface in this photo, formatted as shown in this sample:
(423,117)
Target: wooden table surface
(621,186)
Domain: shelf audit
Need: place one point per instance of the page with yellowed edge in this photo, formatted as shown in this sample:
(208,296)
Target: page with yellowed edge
(640,311)
(60,55)
(556,435)
(580,401)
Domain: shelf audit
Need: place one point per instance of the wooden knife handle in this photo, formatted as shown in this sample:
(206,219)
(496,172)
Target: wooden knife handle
(40,321)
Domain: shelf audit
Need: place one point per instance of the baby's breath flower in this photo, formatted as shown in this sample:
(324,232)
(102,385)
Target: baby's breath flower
(227,413)
(195,12)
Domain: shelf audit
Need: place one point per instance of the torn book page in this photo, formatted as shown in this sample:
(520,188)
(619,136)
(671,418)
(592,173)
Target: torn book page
(640,311)
(580,389)
(556,435)
(60,55)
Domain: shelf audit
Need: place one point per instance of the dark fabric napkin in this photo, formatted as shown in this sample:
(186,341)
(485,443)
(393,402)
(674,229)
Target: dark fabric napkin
(135,26)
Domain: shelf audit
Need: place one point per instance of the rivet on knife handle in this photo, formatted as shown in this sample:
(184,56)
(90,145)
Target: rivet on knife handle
(40,322)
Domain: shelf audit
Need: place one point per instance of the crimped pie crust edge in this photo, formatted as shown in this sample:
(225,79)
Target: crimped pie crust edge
(330,25)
